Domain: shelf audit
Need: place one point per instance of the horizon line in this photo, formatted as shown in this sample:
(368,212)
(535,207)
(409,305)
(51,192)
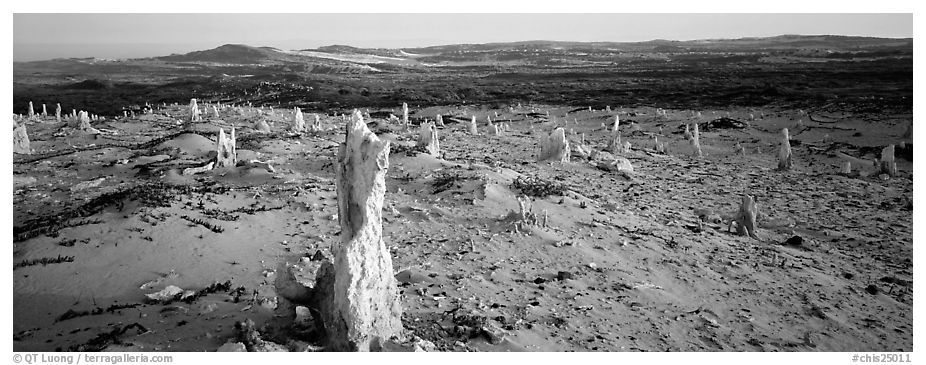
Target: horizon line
(399,48)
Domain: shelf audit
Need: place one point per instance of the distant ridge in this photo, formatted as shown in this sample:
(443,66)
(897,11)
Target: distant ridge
(229,53)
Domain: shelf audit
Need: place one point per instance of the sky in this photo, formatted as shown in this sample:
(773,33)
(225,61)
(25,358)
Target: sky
(46,36)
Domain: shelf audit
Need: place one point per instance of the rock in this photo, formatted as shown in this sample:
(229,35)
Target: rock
(58,113)
(494,129)
(847,168)
(580,152)
(303,317)
(564,275)
(555,147)
(872,289)
(226,150)
(21,143)
(794,241)
(207,308)
(248,335)
(427,138)
(493,334)
(270,302)
(198,170)
(31,113)
(424,346)
(472,126)
(302,346)
(617,124)
(297,282)
(608,162)
(784,153)
(258,164)
(410,276)
(166,295)
(232,347)
(88,184)
(440,121)
(22,181)
(262,127)
(362,309)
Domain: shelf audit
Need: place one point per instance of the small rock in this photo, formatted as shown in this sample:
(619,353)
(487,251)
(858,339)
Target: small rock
(540,280)
(232,347)
(270,303)
(208,308)
(425,346)
(165,295)
(795,241)
(303,317)
(187,294)
(493,334)
(872,289)
(564,275)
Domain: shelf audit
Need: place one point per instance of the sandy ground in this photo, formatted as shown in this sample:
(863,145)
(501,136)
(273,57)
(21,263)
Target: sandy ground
(623,264)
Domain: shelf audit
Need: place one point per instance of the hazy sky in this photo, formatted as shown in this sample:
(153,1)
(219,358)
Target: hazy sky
(46,36)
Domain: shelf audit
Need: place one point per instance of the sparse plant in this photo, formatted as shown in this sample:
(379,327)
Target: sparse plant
(537,187)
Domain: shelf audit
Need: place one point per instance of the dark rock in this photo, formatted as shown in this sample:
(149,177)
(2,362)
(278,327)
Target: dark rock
(795,241)
(540,280)
(319,256)
(872,289)
(564,275)
(250,337)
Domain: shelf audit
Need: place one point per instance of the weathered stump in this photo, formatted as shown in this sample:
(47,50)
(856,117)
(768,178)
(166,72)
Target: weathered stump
(746,222)
(696,140)
(21,139)
(226,150)
(298,121)
(405,114)
(785,161)
(555,147)
(886,163)
(360,308)
(427,138)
